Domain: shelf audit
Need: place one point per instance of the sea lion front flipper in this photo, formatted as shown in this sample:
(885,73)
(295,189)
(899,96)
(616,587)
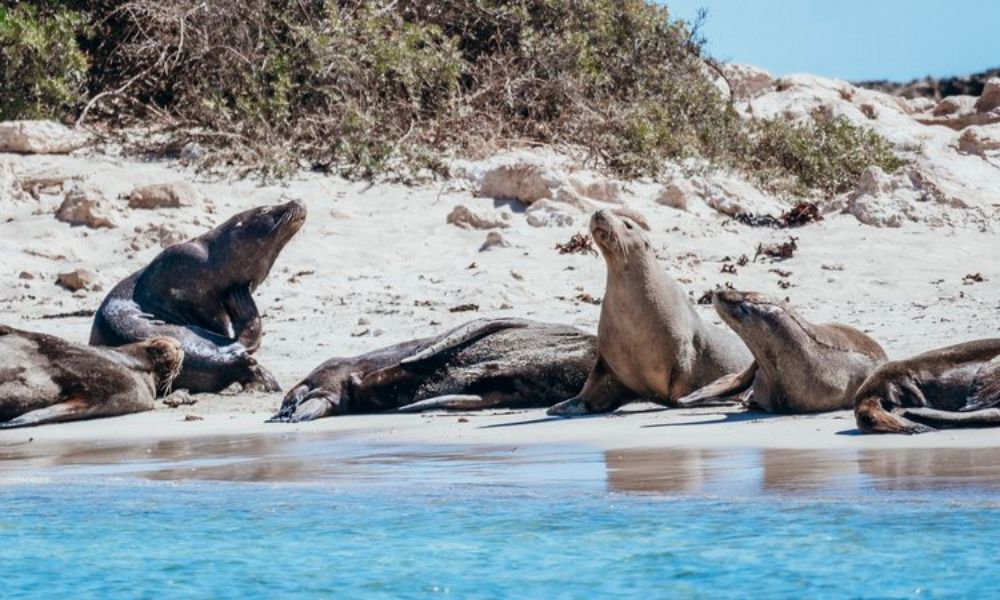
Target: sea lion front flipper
(721,389)
(305,404)
(985,387)
(244,317)
(451,402)
(71,409)
(602,392)
(463,334)
(947,419)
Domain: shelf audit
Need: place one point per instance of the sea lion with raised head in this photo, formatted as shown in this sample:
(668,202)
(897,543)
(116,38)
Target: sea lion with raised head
(799,367)
(45,379)
(651,342)
(487,363)
(956,386)
(200,292)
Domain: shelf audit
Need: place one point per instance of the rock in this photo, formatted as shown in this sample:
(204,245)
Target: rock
(10,185)
(980,140)
(192,151)
(175,194)
(85,205)
(731,195)
(546,213)
(908,195)
(747,81)
(596,188)
(493,241)
(954,105)
(462,216)
(527,182)
(990,98)
(25,275)
(157,234)
(79,279)
(676,194)
(39,137)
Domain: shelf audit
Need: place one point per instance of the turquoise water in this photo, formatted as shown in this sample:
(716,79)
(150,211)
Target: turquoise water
(383,522)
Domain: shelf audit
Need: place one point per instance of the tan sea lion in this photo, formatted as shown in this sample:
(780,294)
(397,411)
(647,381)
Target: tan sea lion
(799,367)
(651,342)
(956,386)
(45,379)
(486,363)
(200,292)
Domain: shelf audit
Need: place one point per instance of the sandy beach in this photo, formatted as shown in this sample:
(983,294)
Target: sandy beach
(381,263)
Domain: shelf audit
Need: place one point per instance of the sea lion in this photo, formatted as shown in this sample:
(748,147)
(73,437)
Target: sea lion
(799,367)
(956,386)
(200,292)
(487,363)
(45,379)
(651,342)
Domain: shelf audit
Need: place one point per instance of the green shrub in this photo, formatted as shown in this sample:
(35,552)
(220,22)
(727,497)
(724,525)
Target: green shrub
(826,154)
(42,69)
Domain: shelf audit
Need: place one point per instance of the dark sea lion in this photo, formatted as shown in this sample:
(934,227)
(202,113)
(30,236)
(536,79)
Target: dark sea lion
(956,386)
(510,363)
(799,367)
(44,379)
(200,292)
(651,342)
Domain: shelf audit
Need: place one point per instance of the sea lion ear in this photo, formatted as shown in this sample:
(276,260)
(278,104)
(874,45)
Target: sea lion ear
(628,213)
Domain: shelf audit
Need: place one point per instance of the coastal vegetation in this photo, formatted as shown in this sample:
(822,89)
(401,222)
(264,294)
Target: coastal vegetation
(381,88)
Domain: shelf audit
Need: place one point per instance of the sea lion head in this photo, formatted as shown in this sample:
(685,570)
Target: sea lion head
(752,315)
(165,357)
(619,234)
(249,242)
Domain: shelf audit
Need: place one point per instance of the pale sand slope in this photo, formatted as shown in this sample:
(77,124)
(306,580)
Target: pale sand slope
(385,254)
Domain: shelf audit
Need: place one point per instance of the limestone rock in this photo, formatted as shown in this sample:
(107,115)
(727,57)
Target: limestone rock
(981,140)
(465,218)
(494,240)
(524,181)
(748,81)
(78,279)
(157,234)
(546,213)
(676,194)
(990,98)
(175,194)
(39,137)
(954,105)
(596,188)
(85,205)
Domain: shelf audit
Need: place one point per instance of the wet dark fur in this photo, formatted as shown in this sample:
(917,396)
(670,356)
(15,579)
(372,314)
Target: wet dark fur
(956,386)
(199,292)
(533,365)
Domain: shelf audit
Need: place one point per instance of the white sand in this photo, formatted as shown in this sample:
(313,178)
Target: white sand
(384,253)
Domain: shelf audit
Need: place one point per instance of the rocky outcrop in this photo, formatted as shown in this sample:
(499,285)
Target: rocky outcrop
(39,137)
(78,279)
(989,100)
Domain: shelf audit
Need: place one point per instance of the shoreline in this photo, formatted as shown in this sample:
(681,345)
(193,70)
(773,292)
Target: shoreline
(638,426)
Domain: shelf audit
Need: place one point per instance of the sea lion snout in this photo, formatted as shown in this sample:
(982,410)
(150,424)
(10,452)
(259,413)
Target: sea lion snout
(294,213)
(166,356)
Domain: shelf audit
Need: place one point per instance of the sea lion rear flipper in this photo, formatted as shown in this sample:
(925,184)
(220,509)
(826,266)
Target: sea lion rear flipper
(451,402)
(463,334)
(244,317)
(946,419)
(64,411)
(305,404)
(602,392)
(985,387)
(722,388)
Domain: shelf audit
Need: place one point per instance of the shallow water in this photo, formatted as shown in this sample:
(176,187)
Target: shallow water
(261,517)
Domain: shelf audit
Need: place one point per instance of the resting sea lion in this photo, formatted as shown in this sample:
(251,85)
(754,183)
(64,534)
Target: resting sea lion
(199,292)
(651,342)
(44,379)
(956,386)
(799,367)
(511,363)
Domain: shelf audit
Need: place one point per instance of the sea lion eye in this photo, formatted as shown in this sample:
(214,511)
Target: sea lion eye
(628,225)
